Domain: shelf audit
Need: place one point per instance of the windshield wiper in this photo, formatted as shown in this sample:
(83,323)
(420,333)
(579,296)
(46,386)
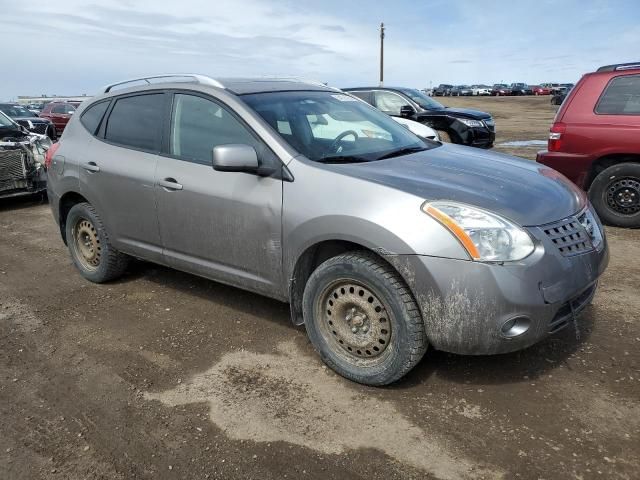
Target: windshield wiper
(343,159)
(402,151)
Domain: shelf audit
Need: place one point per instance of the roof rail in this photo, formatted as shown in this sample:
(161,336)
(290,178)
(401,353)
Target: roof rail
(196,78)
(316,83)
(619,66)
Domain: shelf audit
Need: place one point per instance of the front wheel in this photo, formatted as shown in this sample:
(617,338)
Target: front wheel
(362,319)
(615,194)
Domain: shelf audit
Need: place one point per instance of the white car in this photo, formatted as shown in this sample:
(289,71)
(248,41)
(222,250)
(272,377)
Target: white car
(418,128)
(481,90)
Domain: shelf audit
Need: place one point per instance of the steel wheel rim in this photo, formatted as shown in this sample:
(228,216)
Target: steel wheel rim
(623,196)
(87,244)
(353,318)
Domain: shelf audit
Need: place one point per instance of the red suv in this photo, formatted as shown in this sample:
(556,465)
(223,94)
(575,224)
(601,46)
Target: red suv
(595,141)
(59,113)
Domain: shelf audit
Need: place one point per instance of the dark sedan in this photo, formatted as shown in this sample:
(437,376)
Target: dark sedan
(455,125)
(28,119)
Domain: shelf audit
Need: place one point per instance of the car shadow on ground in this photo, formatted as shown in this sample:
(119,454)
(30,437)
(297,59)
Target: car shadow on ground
(22,202)
(531,363)
(210,291)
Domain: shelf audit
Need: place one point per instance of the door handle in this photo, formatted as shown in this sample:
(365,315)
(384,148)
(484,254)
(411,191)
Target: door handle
(91,166)
(170,184)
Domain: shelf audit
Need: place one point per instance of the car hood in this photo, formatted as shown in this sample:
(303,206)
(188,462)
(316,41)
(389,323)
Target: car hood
(458,112)
(466,113)
(521,190)
(31,119)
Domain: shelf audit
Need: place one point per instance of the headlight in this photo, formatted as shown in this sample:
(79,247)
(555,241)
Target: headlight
(486,237)
(471,123)
(592,226)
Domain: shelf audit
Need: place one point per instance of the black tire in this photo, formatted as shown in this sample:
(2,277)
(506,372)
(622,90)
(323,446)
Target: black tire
(394,340)
(615,194)
(51,133)
(106,263)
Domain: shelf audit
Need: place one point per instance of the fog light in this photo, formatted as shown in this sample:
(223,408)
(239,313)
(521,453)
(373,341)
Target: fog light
(515,327)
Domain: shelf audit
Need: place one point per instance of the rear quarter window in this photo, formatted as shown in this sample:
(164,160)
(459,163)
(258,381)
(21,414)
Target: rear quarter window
(93,115)
(621,96)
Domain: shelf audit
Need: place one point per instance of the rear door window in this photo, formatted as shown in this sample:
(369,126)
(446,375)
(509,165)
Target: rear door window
(137,122)
(621,97)
(93,115)
(63,109)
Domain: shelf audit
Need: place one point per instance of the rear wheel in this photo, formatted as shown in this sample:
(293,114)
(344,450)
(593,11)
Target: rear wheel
(362,319)
(89,245)
(615,193)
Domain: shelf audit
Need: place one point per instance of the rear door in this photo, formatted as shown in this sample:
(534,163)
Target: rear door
(118,172)
(602,115)
(222,225)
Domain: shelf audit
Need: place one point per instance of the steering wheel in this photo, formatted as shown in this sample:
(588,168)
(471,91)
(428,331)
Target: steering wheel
(335,145)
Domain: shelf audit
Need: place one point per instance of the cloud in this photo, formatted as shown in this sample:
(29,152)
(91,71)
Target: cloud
(88,45)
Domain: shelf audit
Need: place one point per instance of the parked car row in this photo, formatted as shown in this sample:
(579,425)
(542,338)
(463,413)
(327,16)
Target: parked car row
(499,89)
(50,121)
(444,90)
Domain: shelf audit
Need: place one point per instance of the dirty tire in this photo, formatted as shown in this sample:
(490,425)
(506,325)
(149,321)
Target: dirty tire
(615,194)
(109,264)
(403,329)
(444,136)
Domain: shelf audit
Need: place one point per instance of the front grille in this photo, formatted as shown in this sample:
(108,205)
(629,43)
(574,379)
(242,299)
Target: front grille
(40,128)
(13,167)
(569,236)
(572,308)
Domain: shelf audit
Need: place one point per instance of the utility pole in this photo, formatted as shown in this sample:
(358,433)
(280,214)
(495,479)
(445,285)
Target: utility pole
(381,54)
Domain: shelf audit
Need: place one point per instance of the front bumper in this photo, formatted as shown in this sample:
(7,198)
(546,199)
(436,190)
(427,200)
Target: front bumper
(480,137)
(465,304)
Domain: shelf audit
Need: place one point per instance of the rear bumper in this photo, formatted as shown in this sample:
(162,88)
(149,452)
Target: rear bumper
(465,304)
(574,166)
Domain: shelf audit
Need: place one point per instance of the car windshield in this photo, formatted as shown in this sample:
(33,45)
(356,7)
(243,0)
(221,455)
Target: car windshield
(421,99)
(332,127)
(15,111)
(6,121)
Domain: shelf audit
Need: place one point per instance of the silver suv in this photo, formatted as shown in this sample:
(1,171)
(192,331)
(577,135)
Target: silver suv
(382,242)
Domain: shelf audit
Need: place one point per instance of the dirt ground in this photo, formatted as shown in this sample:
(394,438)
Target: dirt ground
(166,375)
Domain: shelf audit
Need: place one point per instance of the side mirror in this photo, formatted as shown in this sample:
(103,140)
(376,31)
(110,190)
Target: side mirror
(407,111)
(235,158)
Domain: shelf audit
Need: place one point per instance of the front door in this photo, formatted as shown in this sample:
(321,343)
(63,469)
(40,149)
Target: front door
(222,225)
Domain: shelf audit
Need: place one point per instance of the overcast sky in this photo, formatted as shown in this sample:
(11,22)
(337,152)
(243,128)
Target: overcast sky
(71,47)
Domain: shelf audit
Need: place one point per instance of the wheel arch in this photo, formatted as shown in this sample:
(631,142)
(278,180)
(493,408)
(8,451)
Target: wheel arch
(313,256)
(66,203)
